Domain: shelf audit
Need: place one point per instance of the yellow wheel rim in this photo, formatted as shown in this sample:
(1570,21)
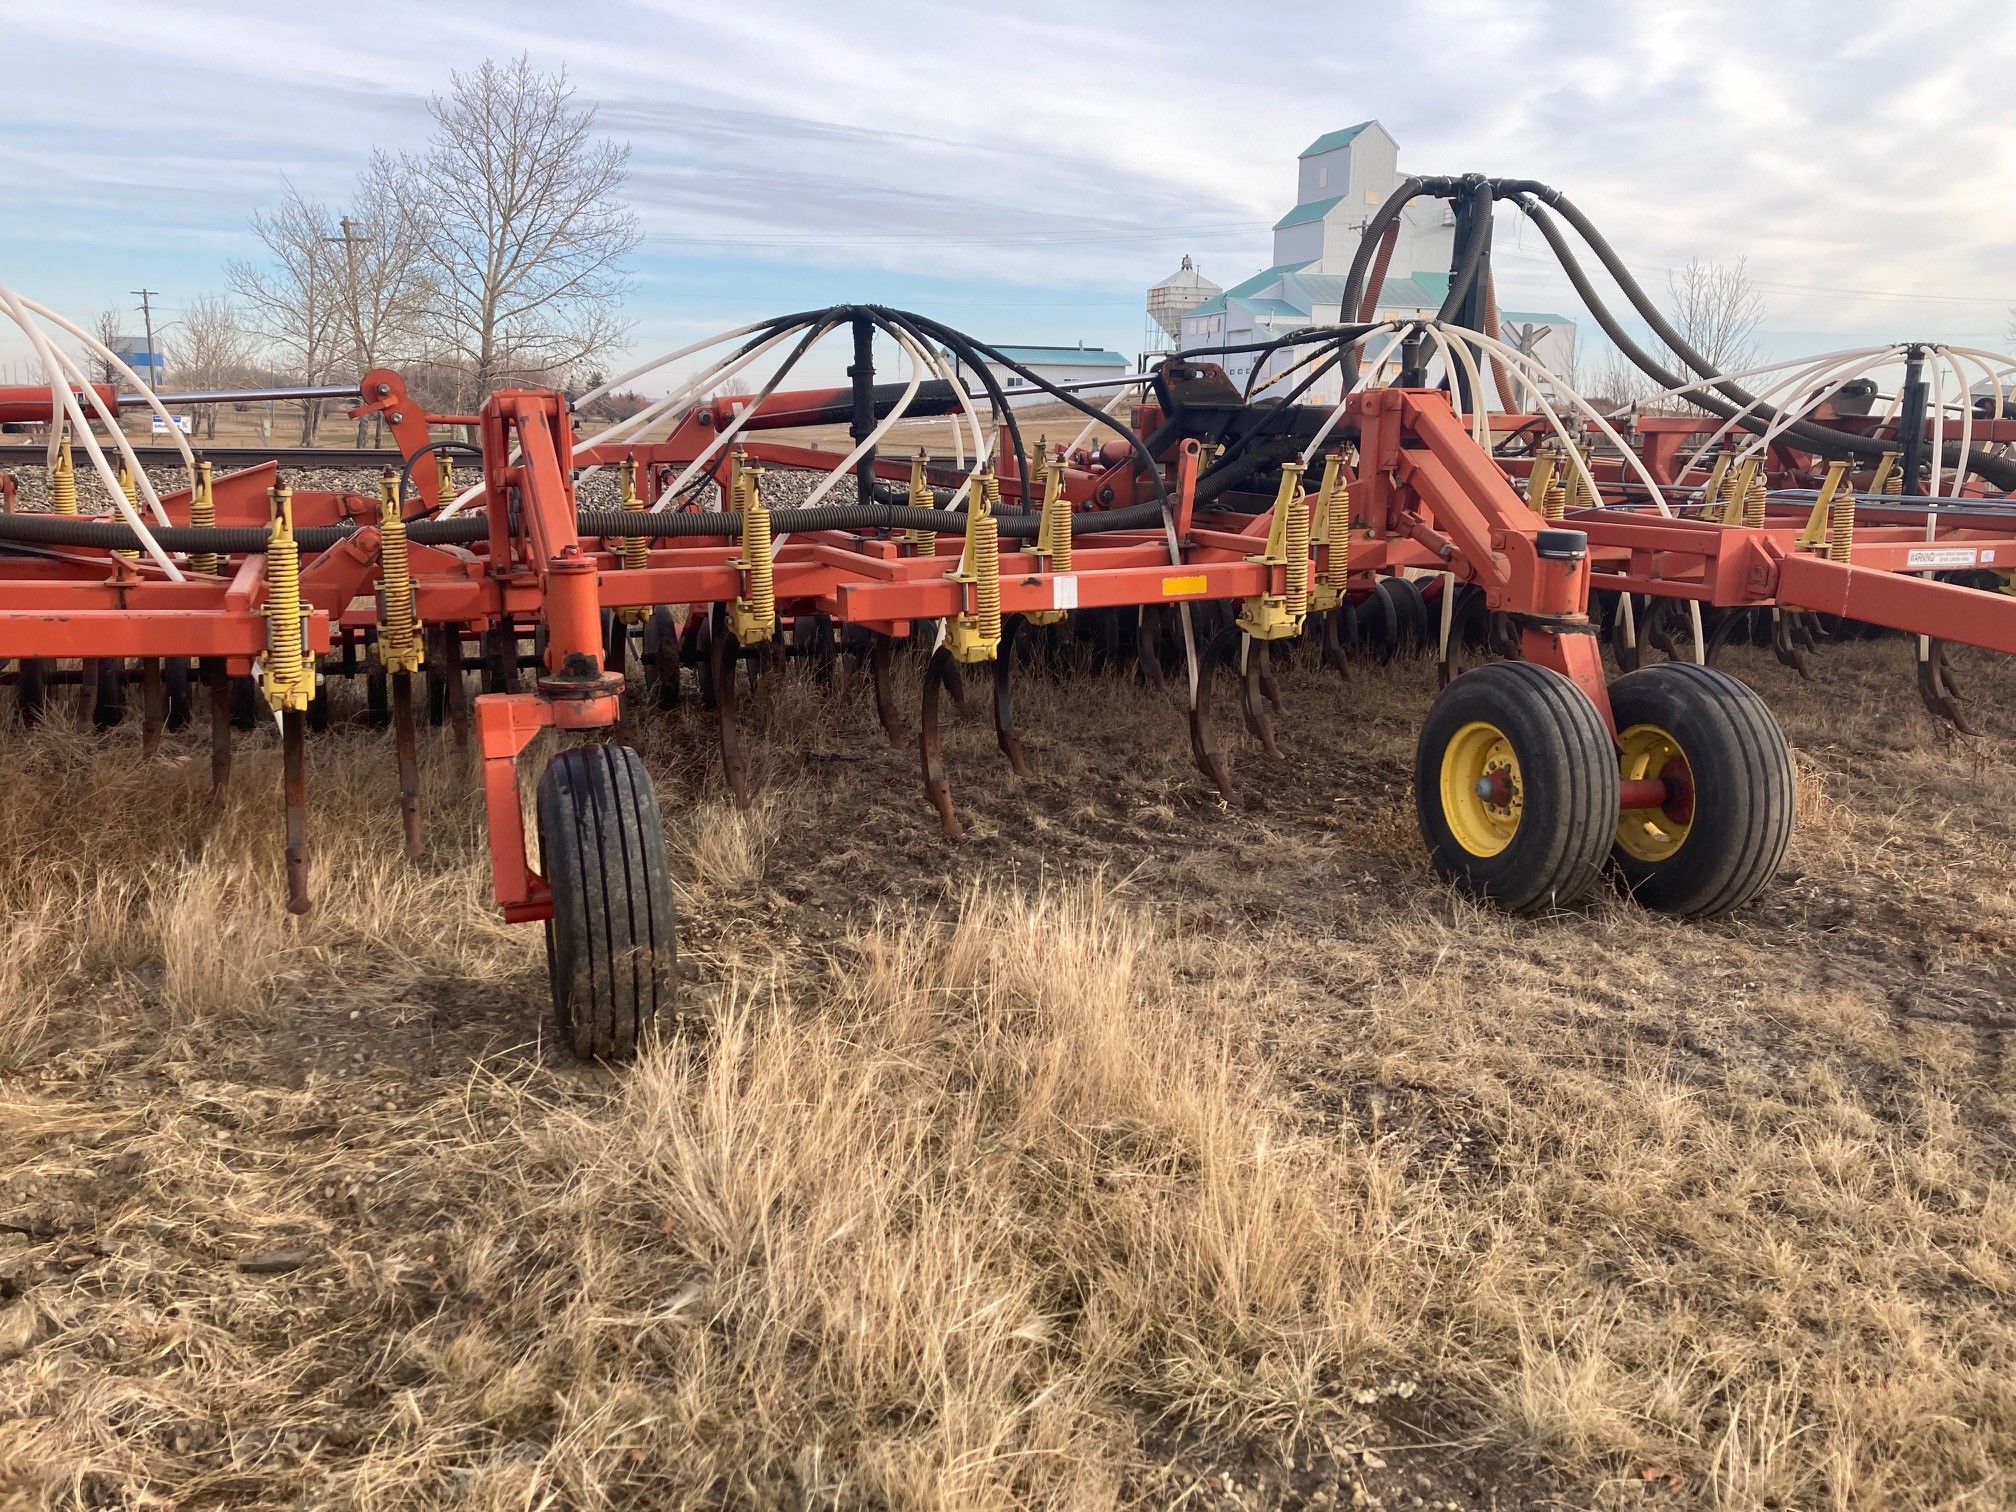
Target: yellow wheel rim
(1655,834)
(1482,795)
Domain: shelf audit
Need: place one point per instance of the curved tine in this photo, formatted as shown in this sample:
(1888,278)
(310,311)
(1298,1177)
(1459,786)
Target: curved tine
(1253,701)
(1726,626)
(1333,641)
(1148,647)
(932,749)
(1204,747)
(1004,707)
(812,638)
(1937,688)
(722,661)
(1785,646)
(1269,688)
(885,700)
(955,684)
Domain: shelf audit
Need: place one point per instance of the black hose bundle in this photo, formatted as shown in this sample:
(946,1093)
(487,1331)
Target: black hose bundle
(252,540)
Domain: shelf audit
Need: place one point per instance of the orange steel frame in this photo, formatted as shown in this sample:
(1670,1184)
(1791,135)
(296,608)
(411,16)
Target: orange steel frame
(1424,496)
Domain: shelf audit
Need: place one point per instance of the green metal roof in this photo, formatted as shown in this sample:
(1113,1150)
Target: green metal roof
(1301,215)
(1274,307)
(1212,306)
(1330,141)
(1062,356)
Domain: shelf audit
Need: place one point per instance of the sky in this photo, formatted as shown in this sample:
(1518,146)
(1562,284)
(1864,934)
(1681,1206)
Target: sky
(1024,172)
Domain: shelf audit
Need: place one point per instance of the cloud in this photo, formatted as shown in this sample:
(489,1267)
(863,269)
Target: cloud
(1064,156)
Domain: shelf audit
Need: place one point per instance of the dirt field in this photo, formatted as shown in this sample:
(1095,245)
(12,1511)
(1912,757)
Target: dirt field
(1130,1152)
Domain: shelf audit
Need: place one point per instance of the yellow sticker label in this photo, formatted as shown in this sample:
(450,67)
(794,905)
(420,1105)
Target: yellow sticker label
(1173,586)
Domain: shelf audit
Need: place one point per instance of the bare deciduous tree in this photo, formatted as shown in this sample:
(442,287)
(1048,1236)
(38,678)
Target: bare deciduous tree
(296,302)
(110,329)
(1718,309)
(212,351)
(526,237)
(384,292)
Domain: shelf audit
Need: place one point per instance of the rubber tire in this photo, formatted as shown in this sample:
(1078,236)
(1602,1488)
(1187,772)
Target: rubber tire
(610,947)
(1568,768)
(1743,805)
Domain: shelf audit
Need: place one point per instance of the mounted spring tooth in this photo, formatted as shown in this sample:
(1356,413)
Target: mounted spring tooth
(922,542)
(752,618)
(63,479)
(1053,534)
(634,551)
(1276,616)
(203,514)
(290,674)
(974,635)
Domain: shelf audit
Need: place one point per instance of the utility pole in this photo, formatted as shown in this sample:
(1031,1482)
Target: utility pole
(147,314)
(354,235)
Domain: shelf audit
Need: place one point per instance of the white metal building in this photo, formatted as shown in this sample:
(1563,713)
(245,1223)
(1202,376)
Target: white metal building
(1058,364)
(1341,180)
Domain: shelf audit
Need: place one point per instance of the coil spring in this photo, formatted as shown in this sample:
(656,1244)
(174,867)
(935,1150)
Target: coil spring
(1554,502)
(203,515)
(132,492)
(986,538)
(1841,526)
(636,550)
(1295,579)
(286,666)
(1753,502)
(399,647)
(1340,536)
(63,481)
(756,554)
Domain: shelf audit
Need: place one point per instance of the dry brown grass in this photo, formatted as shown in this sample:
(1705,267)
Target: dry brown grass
(1131,1153)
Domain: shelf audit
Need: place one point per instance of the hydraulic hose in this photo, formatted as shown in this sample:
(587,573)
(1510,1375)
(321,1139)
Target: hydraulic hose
(1476,247)
(1823,439)
(251,540)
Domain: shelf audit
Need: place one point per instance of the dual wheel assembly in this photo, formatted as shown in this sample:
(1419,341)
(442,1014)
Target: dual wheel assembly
(1526,800)
(1524,797)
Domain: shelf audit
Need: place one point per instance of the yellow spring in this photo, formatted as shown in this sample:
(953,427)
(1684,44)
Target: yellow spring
(289,680)
(921,497)
(1340,535)
(203,514)
(132,491)
(636,551)
(1894,484)
(1055,532)
(1554,502)
(1295,576)
(1753,502)
(985,535)
(400,648)
(444,473)
(756,553)
(1841,525)
(63,481)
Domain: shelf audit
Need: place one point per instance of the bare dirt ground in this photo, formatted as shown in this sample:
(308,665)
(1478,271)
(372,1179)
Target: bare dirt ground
(1132,1151)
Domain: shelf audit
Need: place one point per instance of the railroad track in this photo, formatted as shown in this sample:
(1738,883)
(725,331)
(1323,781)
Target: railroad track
(226,458)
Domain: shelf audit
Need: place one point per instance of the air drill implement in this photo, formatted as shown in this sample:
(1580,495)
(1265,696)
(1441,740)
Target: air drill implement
(1211,528)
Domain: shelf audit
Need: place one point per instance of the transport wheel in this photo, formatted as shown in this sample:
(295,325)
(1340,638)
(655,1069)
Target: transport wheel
(1515,785)
(609,944)
(1718,838)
